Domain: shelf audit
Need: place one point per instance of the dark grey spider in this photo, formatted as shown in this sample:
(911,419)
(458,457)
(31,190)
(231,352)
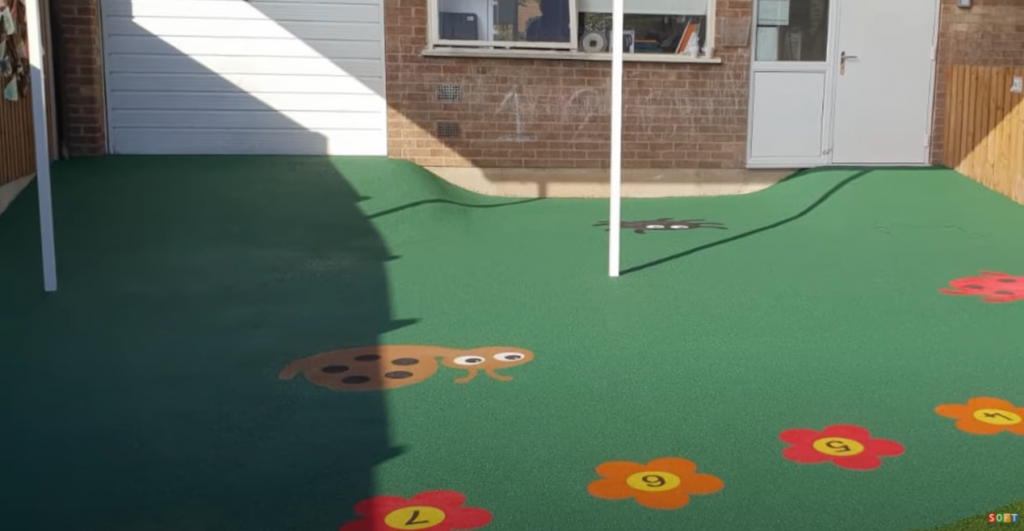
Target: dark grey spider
(665,224)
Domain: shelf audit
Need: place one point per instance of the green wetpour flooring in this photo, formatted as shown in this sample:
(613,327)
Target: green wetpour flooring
(798,369)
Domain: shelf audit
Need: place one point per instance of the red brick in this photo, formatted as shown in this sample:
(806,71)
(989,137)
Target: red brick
(77,42)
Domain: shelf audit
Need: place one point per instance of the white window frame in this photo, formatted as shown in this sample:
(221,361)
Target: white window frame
(552,49)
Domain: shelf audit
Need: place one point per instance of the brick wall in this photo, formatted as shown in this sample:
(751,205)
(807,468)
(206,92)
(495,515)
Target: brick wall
(554,113)
(991,33)
(79,76)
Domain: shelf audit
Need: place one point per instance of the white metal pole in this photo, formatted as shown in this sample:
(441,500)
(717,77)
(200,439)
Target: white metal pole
(615,188)
(33,16)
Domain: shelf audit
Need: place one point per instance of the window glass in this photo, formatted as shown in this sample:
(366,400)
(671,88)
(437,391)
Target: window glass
(504,20)
(645,33)
(792,30)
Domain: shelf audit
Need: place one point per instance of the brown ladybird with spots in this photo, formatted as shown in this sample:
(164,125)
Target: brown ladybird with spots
(991,286)
(392,366)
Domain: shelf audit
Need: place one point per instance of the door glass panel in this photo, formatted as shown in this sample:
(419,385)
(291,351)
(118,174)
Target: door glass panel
(792,30)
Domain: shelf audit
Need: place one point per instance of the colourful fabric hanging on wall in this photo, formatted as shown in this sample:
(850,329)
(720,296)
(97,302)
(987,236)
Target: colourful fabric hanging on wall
(14,66)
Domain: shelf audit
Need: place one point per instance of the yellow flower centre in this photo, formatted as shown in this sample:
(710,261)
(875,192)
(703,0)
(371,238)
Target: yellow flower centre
(415,517)
(838,446)
(653,481)
(999,417)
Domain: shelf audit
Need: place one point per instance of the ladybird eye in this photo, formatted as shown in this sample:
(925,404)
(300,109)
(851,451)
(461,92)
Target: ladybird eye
(508,356)
(468,360)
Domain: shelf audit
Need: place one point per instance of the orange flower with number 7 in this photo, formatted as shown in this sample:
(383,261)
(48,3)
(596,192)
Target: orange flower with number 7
(985,416)
(665,483)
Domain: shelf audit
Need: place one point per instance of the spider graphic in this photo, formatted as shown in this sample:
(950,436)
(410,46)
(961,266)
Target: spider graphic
(662,224)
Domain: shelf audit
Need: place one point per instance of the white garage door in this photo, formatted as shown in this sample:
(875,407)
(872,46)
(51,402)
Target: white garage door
(303,77)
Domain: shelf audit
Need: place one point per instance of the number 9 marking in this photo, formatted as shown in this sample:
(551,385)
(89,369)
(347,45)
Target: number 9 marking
(653,481)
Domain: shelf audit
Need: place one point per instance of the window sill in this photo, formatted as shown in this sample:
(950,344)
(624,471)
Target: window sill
(569,56)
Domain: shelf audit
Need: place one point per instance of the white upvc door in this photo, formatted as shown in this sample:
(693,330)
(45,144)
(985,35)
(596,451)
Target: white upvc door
(864,98)
(885,66)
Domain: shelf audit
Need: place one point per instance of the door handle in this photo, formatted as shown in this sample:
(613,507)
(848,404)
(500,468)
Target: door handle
(842,62)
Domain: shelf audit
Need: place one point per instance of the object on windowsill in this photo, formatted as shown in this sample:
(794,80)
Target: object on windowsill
(11,90)
(594,42)
(693,45)
(646,46)
(709,52)
(628,40)
(685,38)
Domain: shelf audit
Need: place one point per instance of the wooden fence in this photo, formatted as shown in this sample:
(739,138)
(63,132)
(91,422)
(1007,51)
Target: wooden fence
(17,147)
(984,127)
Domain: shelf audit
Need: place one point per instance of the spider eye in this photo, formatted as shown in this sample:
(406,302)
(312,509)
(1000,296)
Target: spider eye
(655,226)
(509,356)
(680,226)
(468,360)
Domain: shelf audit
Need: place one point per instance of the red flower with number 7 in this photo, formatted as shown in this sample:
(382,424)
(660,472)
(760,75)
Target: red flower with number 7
(436,510)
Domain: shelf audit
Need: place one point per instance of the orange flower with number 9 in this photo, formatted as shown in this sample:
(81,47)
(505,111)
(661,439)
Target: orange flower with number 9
(985,416)
(665,483)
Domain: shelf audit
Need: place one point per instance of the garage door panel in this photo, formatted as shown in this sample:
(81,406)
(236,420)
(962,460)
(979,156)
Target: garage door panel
(234,142)
(301,10)
(249,65)
(253,120)
(232,76)
(207,46)
(226,101)
(244,83)
(361,24)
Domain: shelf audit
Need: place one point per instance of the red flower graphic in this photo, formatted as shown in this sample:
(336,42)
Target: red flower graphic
(846,446)
(436,510)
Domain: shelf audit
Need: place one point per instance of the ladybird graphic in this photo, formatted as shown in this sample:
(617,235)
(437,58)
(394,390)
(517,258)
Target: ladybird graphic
(990,286)
(392,366)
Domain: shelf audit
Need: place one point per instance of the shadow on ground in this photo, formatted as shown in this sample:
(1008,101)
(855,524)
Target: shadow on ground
(144,394)
(753,232)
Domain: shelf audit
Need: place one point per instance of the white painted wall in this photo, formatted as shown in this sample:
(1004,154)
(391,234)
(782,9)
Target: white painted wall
(245,77)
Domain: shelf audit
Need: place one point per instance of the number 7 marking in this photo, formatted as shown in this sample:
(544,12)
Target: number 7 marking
(412,519)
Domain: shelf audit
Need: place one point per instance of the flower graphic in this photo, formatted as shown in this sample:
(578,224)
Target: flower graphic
(436,510)
(665,483)
(846,446)
(985,416)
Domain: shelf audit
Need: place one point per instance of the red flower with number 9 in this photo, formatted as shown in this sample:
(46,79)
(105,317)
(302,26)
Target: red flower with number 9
(436,510)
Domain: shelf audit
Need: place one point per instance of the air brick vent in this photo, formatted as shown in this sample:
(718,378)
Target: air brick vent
(449,130)
(448,93)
